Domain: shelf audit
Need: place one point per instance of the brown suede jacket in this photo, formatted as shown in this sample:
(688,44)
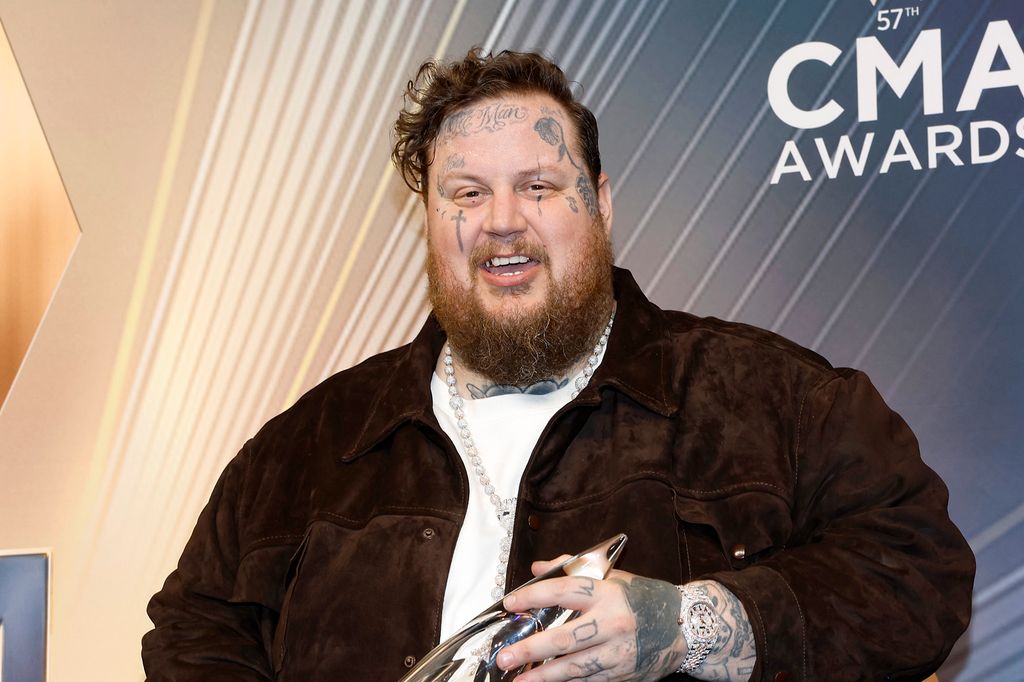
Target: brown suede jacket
(723,451)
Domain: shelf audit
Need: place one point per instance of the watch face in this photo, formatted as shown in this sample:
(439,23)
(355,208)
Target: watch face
(703,621)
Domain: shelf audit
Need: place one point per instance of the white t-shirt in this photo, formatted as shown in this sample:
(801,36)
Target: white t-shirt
(505,430)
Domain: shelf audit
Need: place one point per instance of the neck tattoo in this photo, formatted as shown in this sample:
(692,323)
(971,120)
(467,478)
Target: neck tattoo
(505,509)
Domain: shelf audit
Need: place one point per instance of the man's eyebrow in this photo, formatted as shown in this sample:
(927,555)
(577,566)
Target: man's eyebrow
(524,174)
(460,174)
(539,170)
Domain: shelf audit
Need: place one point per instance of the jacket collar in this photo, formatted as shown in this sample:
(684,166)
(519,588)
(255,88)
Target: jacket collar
(638,362)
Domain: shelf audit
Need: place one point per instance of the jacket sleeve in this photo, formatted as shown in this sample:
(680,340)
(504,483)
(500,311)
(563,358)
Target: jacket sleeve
(876,581)
(201,631)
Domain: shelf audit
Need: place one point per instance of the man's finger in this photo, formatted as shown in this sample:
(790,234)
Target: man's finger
(576,593)
(542,567)
(582,633)
(598,664)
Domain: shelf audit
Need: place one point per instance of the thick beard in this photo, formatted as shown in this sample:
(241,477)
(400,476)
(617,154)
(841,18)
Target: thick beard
(522,347)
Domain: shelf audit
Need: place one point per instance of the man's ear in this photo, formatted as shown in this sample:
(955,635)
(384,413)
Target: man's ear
(604,200)
(425,203)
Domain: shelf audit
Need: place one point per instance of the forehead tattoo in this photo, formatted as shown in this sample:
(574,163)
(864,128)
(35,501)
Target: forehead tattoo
(548,111)
(453,162)
(485,118)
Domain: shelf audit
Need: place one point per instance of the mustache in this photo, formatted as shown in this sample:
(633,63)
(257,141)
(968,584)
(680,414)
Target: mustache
(520,246)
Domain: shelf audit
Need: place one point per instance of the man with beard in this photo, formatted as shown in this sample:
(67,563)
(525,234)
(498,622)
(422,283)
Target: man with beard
(781,522)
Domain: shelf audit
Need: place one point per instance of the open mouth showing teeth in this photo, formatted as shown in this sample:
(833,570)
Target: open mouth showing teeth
(508,266)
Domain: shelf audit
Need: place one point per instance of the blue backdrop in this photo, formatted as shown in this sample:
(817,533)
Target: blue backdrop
(910,269)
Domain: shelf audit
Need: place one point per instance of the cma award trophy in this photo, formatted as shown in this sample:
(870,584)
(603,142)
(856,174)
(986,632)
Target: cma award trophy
(470,655)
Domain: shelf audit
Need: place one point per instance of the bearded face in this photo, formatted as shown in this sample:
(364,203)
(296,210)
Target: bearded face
(519,346)
(519,259)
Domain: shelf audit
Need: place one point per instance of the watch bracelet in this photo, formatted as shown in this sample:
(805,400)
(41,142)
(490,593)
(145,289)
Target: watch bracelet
(697,650)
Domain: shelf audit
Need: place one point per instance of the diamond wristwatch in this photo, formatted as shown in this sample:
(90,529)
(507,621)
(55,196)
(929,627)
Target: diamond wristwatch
(700,625)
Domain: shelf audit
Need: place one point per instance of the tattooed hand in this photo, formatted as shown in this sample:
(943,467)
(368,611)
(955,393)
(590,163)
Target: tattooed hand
(627,629)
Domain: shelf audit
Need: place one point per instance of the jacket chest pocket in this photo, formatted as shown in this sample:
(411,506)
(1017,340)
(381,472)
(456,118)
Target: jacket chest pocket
(732,531)
(362,598)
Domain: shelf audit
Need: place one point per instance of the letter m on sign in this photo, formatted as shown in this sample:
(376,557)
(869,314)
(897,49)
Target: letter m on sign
(24,593)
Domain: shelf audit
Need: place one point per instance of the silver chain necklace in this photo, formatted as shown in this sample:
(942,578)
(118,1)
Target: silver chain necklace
(505,509)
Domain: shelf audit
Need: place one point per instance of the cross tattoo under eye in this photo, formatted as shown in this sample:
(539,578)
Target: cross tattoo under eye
(459,219)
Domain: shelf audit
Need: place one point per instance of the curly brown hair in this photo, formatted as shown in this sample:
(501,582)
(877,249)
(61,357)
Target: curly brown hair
(441,88)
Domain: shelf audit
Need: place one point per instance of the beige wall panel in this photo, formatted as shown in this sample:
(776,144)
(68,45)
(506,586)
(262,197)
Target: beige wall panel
(37,226)
(106,79)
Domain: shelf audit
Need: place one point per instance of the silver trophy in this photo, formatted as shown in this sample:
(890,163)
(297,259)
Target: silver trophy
(470,655)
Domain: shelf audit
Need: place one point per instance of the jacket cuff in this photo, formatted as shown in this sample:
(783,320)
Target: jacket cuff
(772,607)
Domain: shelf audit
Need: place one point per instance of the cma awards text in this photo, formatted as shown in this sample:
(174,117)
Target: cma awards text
(973,142)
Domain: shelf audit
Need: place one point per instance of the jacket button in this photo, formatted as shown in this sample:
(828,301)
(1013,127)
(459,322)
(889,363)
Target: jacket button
(781,676)
(739,551)
(533,521)
(429,533)
(409,661)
